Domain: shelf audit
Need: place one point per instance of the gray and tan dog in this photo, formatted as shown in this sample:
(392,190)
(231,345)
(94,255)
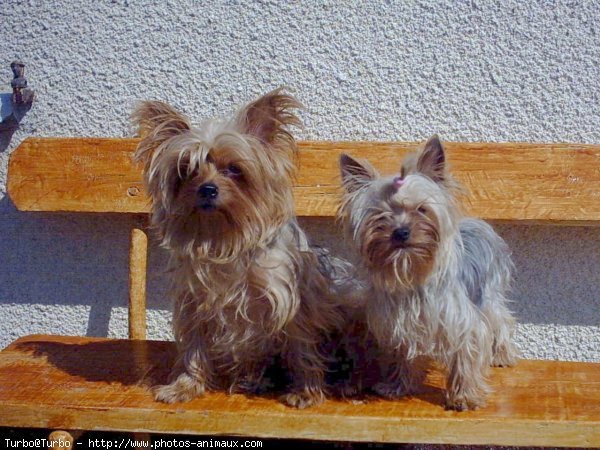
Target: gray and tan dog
(437,279)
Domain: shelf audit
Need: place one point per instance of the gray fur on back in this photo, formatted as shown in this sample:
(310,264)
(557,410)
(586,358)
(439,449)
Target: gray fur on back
(485,259)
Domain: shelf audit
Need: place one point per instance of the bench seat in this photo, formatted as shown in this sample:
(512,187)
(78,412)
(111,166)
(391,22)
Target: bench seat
(102,384)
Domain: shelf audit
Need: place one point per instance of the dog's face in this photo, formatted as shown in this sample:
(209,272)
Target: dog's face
(225,186)
(399,223)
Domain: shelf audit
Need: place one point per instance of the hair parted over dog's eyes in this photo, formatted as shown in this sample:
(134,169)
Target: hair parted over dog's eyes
(183,170)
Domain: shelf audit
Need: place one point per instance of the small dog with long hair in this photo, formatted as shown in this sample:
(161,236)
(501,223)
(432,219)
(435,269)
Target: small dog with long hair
(438,280)
(247,288)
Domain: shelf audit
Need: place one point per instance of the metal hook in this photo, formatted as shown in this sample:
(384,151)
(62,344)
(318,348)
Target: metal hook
(21,95)
(20,102)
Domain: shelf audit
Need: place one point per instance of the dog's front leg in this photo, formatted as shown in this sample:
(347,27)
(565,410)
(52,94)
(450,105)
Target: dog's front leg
(401,375)
(308,374)
(187,379)
(466,387)
(191,372)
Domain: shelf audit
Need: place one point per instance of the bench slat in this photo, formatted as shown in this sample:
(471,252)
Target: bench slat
(549,183)
(101,384)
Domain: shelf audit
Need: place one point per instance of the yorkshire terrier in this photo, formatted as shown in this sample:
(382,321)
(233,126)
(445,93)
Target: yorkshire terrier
(439,280)
(247,288)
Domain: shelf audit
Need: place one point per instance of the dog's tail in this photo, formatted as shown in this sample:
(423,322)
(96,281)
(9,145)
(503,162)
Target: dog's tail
(342,275)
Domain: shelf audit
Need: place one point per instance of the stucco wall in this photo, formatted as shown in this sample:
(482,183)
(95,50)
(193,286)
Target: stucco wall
(468,70)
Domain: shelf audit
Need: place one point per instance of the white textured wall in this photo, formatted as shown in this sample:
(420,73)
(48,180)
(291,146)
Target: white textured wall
(468,70)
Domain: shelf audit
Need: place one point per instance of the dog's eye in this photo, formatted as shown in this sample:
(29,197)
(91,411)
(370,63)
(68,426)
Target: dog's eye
(235,170)
(232,171)
(422,210)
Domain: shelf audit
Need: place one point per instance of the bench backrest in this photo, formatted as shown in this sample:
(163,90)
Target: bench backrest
(549,183)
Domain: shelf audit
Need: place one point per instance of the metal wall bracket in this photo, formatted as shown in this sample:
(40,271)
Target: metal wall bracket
(14,106)
(21,95)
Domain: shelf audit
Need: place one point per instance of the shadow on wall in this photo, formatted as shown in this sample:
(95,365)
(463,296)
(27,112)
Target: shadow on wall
(11,116)
(82,260)
(67,259)
(555,288)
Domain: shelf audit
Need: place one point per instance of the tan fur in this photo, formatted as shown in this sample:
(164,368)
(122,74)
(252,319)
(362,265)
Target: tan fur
(436,280)
(246,287)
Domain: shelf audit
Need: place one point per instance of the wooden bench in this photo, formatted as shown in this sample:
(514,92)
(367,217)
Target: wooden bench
(83,383)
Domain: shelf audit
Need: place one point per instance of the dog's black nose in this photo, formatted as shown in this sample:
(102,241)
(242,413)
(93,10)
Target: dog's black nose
(208,191)
(401,234)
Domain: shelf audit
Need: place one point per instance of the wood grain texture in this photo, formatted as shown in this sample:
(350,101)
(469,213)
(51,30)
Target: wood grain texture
(549,183)
(101,384)
(138,261)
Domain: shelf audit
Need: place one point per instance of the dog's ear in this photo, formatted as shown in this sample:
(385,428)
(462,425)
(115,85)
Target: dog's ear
(269,117)
(431,160)
(355,172)
(155,122)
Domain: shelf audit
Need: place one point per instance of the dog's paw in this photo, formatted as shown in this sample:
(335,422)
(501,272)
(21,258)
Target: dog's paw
(183,389)
(390,390)
(464,403)
(504,357)
(303,399)
(346,389)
